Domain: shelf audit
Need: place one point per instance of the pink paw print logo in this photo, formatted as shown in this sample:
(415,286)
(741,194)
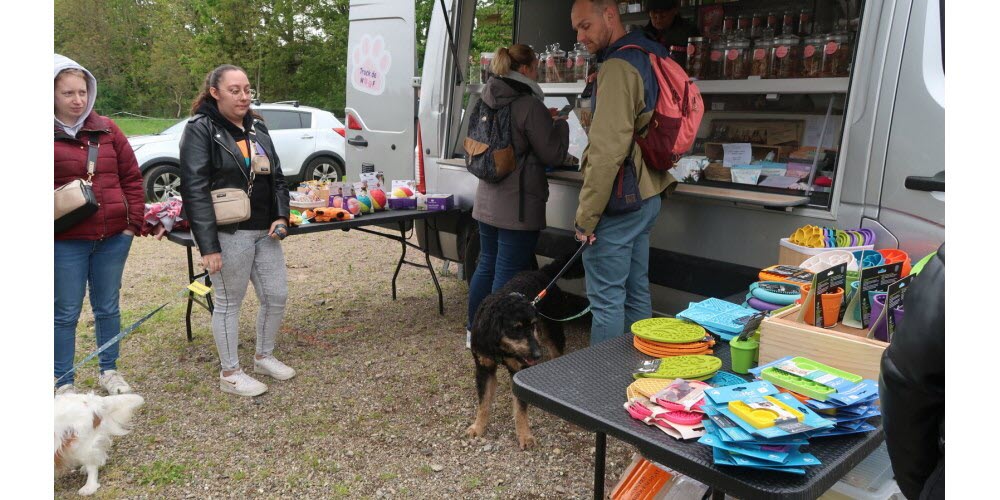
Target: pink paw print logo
(370,61)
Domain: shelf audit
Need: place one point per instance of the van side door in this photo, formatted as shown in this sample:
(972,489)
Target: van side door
(381,99)
(911,205)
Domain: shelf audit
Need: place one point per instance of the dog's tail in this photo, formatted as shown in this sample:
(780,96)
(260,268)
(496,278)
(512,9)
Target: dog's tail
(118,411)
(575,271)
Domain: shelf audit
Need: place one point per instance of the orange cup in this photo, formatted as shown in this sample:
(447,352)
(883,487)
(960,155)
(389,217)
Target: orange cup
(894,255)
(830,302)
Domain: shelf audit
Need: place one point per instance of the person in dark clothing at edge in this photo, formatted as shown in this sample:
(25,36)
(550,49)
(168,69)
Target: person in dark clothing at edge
(911,387)
(666,26)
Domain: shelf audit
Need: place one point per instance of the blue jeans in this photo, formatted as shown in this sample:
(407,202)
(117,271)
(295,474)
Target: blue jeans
(100,264)
(617,267)
(502,254)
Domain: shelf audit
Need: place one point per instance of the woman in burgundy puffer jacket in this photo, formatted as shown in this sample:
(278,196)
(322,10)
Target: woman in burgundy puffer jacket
(93,251)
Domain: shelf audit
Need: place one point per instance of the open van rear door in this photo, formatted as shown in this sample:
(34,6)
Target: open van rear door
(381,98)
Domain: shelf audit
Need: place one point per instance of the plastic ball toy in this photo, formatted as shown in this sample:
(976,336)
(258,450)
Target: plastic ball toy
(353,206)
(365,202)
(402,192)
(378,198)
(338,202)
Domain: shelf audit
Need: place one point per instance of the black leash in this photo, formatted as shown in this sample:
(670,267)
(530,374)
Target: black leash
(541,295)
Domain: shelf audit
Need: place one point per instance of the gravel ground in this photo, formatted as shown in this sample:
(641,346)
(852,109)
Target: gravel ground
(384,393)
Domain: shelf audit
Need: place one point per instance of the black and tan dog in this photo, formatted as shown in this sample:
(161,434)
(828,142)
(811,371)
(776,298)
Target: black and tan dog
(508,331)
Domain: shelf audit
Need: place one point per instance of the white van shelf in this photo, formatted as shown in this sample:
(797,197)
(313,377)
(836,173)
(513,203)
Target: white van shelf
(547,88)
(775,86)
(755,86)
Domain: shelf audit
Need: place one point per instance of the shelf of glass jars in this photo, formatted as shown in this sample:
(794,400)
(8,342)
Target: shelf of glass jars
(775,86)
(749,86)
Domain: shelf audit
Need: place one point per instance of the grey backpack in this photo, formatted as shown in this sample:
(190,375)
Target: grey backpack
(489,152)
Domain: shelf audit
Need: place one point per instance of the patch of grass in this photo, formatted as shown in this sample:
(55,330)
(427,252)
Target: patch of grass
(239,475)
(162,472)
(472,482)
(340,490)
(143,126)
(387,476)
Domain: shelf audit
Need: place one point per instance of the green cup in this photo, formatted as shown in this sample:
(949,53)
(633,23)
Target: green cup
(743,355)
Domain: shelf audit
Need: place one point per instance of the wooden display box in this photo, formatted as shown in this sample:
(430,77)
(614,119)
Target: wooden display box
(715,152)
(841,347)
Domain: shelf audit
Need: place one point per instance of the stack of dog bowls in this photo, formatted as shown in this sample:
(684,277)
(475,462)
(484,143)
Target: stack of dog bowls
(665,337)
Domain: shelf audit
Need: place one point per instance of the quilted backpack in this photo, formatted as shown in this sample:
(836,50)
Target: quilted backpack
(676,117)
(489,151)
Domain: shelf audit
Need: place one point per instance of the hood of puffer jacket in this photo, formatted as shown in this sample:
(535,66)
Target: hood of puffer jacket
(500,91)
(61,63)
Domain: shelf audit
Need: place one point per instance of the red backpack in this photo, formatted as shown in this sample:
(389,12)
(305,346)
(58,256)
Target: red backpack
(676,117)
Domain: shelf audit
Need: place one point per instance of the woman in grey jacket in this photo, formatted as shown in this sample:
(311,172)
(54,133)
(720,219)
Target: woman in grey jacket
(511,213)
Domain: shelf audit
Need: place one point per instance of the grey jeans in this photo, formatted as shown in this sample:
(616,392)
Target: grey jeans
(248,256)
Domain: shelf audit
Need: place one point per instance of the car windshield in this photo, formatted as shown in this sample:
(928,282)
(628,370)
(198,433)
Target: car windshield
(174,129)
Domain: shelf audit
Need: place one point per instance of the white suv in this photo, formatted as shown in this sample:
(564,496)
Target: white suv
(309,142)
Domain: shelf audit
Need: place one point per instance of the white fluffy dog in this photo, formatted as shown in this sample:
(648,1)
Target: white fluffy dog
(84,424)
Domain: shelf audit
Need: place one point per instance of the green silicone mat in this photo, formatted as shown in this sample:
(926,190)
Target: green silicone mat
(668,330)
(697,366)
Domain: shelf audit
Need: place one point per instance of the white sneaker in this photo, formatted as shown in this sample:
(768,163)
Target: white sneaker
(468,339)
(272,367)
(241,384)
(113,382)
(65,389)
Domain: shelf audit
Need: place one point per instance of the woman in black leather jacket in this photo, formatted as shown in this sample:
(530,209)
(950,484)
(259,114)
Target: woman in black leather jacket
(218,150)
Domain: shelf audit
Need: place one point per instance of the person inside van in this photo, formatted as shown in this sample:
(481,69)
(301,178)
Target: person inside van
(666,25)
(617,263)
(511,213)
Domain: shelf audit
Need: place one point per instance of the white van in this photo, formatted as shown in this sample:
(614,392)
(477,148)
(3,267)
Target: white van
(884,122)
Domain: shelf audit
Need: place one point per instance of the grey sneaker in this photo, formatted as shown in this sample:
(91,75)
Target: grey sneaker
(65,389)
(272,367)
(241,384)
(113,382)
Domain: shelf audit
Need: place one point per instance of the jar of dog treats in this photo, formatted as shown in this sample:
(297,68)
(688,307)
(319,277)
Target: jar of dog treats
(716,55)
(760,58)
(812,57)
(554,64)
(785,57)
(581,62)
(697,57)
(837,55)
(737,60)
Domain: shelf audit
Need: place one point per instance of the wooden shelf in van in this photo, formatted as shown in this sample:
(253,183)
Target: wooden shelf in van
(775,86)
(741,196)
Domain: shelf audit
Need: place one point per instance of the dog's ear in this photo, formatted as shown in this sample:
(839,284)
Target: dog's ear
(121,407)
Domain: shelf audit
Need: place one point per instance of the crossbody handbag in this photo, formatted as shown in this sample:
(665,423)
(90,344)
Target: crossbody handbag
(625,196)
(75,200)
(232,205)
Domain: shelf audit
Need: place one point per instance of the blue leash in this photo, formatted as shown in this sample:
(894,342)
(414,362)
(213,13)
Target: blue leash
(114,339)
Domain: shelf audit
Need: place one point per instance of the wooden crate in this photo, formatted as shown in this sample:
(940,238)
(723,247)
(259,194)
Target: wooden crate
(841,347)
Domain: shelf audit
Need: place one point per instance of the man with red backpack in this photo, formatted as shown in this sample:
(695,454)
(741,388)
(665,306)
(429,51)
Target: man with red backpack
(620,196)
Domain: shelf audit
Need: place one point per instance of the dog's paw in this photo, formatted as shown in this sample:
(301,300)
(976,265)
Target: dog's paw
(88,489)
(526,441)
(475,431)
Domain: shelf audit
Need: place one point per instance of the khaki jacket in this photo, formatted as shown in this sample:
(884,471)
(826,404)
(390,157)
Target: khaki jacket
(618,114)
